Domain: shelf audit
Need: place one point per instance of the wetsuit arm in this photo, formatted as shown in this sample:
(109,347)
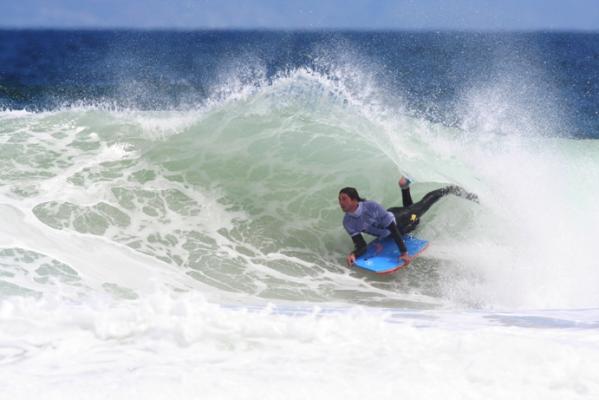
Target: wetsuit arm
(396,235)
(360,245)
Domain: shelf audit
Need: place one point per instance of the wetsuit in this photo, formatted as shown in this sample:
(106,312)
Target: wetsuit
(408,216)
(371,217)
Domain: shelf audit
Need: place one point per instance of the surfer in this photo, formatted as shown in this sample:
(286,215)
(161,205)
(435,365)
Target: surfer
(367,216)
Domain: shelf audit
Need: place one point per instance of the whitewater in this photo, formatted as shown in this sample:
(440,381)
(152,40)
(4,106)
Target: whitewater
(197,251)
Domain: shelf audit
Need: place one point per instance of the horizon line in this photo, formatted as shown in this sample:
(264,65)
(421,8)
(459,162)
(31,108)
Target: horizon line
(296,30)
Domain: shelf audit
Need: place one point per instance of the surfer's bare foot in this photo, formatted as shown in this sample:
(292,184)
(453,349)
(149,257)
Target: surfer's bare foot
(458,191)
(473,197)
(404,182)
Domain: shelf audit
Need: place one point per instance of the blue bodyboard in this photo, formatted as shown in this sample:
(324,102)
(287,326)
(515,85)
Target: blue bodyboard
(385,259)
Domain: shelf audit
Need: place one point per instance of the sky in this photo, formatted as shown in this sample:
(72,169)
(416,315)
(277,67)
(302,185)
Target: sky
(306,14)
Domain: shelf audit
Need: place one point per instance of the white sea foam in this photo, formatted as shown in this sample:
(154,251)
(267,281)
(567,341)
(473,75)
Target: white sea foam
(164,346)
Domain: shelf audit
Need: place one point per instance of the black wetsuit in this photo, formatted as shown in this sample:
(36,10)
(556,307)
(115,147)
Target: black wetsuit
(408,216)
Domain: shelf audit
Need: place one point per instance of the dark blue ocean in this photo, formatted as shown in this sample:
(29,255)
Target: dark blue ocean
(554,77)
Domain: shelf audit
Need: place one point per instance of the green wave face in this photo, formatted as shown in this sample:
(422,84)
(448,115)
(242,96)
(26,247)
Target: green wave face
(241,195)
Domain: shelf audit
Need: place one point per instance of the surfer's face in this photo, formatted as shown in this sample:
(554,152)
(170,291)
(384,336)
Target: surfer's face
(346,203)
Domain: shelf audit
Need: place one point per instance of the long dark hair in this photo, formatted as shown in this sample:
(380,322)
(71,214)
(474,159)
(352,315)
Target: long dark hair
(352,193)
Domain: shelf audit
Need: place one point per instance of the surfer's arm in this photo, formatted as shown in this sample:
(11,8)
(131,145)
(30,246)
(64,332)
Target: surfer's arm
(392,228)
(360,245)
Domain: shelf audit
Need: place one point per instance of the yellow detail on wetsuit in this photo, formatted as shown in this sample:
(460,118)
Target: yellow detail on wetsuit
(413,218)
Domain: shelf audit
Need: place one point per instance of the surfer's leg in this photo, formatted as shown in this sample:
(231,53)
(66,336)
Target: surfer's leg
(431,198)
(407,218)
(404,219)
(406,197)
(460,192)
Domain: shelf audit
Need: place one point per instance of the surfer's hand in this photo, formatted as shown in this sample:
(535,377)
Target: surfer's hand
(406,258)
(378,247)
(351,259)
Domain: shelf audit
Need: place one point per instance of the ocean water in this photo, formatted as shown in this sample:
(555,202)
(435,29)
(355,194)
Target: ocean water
(171,227)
